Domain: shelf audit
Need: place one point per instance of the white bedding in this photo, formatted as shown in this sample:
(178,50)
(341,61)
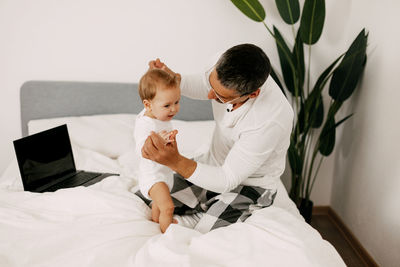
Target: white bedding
(106,225)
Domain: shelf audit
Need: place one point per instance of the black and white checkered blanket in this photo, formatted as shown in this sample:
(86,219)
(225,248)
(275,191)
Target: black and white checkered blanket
(219,209)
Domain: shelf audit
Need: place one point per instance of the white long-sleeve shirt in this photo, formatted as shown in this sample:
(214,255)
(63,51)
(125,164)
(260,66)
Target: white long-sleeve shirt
(150,172)
(249,144)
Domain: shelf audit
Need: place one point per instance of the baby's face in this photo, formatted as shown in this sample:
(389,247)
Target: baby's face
(165,105)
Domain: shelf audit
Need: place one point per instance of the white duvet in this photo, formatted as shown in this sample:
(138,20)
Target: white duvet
(107,225)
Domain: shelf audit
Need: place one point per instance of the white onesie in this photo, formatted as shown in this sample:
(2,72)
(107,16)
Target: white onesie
(150,172)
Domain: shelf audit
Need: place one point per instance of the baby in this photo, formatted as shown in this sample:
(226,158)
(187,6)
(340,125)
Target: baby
(160,94)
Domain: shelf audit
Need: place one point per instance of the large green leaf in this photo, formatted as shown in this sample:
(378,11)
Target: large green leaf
(295,161)
(312,21)
(313,105)
(251,8)
(347,74)
(285,58)
(289,10)
(301,119)
(327,137)
(298,59)
(323,78)
(328,134)
(317,113)
(311,114)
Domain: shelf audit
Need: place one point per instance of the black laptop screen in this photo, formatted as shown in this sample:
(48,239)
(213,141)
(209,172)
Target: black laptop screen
(43,156)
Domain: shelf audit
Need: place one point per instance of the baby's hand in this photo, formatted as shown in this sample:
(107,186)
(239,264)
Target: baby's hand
(168,136)
(164,135)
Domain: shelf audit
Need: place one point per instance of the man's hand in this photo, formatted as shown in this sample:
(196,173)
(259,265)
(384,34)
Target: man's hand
(156,149)
(157,64)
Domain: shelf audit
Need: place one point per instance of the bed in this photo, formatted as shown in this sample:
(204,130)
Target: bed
(106,224)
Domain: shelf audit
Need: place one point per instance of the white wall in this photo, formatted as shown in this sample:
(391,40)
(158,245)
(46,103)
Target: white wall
(366,184)
(93,40)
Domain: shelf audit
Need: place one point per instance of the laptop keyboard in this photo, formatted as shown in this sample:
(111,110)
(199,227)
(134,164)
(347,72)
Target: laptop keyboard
(76,180)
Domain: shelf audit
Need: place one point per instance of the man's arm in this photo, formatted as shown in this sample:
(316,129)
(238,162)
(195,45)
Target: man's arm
(246,156)
(253,149)
(192,86)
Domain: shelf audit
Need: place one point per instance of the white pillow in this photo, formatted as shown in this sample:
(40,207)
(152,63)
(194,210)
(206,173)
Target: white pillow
(110,135)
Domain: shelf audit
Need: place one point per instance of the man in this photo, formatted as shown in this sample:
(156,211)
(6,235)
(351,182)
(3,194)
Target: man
(247,155)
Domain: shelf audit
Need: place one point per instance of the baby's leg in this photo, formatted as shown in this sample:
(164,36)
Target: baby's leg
(165,220)
(159,192)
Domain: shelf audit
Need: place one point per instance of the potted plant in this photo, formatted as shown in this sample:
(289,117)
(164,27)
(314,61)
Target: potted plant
(313,134)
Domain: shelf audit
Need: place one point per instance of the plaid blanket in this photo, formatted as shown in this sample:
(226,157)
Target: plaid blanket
(219,209)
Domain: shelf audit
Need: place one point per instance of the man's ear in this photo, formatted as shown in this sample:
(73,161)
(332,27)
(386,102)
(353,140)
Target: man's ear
(147,104)
(255,93)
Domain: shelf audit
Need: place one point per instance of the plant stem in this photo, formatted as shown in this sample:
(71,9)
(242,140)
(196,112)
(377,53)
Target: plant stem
(294,34)
(310,170)
(315,175)
(307,147)
(270,32)
(309,70)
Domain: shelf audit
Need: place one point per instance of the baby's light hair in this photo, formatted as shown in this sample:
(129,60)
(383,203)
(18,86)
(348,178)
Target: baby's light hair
(152,79)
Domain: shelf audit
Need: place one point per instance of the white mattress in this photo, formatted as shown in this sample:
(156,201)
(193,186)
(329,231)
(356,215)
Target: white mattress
(107,225)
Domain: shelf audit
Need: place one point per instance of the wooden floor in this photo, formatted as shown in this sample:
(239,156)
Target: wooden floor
(329,232)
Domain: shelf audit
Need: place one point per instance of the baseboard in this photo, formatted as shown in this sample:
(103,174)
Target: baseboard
(346,233)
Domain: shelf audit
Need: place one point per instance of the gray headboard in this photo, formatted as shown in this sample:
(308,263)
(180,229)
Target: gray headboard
(51,99)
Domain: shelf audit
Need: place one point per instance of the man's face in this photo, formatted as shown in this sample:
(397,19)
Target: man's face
(220,93)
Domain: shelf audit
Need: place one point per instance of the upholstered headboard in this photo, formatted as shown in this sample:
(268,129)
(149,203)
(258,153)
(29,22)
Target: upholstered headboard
(51,99)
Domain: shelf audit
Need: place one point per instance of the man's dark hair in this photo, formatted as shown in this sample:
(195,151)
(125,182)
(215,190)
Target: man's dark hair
(243,68)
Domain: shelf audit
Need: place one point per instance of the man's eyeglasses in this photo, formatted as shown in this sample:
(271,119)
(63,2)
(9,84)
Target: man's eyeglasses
(220,98)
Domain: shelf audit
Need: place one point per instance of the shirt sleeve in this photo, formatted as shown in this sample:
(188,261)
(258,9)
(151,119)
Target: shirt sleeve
(253,148)
(194,86)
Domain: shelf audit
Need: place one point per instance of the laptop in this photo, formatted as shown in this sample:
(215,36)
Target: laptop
(46,162)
